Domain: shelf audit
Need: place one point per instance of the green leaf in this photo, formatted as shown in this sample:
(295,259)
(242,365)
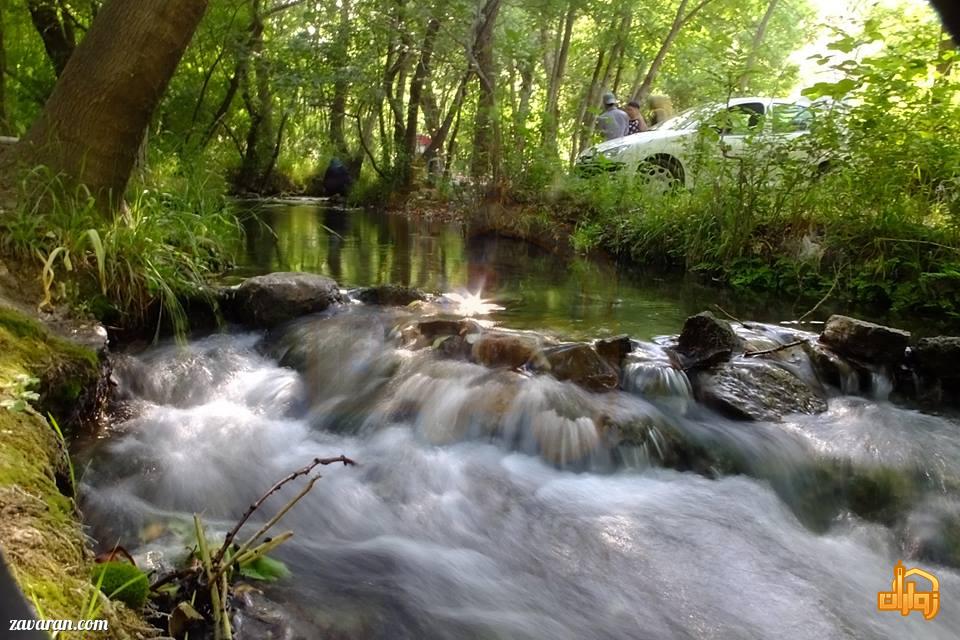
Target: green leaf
(265,569)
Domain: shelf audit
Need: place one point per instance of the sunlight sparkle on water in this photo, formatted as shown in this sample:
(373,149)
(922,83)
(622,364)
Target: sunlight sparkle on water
(471,304)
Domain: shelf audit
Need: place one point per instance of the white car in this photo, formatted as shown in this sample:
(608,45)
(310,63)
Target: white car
(665,155)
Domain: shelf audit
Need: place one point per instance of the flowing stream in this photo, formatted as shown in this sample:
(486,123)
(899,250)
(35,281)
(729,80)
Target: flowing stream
(482,506)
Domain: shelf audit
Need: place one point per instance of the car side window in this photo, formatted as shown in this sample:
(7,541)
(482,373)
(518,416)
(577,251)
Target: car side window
(740,119)
(791,118)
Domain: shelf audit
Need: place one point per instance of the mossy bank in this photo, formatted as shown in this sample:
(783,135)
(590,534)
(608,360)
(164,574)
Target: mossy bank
(40,530)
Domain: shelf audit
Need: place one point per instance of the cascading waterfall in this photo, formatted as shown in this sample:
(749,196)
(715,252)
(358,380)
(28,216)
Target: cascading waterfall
(498,504)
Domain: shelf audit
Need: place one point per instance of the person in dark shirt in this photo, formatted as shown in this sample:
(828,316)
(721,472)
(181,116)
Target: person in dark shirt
(636,123)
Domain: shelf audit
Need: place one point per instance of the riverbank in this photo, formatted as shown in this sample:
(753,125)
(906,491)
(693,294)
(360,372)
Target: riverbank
(41,530)
(884,241)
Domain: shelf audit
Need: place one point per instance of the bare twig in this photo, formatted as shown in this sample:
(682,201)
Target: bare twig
(731,316)
(782,347)
(836,279)
(275,488)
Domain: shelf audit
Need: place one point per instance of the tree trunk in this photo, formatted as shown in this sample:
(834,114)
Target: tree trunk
(744,82)
(4,124)
(55,31)
(439,136)
(679,21)
(420,76)
(486,147)
(255,169)
(93,123)
(551,114)
(341,84)
(582,112)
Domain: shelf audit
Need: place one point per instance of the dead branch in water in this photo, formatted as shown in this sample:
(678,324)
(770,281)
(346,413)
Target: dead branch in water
(730,316)
(782,347)
(275,488)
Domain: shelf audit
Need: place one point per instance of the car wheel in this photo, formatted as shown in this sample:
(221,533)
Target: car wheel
(661,175)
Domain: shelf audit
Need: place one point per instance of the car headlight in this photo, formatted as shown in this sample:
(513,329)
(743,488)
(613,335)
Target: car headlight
(616,152)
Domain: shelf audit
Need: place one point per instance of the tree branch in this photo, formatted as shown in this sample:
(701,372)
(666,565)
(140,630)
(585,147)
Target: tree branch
(275,488)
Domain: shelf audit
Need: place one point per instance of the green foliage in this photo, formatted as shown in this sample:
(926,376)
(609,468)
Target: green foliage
(880,226)
(19,393)
(133,270)
(264,569)
(122,581)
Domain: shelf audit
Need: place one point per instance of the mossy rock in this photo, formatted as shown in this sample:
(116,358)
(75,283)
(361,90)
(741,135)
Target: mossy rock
(880,494)
(65,370)
(122,581)
(42,540)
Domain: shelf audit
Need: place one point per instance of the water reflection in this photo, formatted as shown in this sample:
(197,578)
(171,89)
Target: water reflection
(576,298)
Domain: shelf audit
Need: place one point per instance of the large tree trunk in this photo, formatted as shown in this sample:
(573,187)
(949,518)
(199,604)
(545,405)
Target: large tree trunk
(341,84)
(258,99)
(486,146)
(420,76)
(748,68)
(4,124)
(551,114)
(55,30)
(680,19)
(93,123)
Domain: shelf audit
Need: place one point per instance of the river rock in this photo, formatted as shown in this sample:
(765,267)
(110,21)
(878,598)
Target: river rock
(614,349)
(706,340)
(389,295)
(579,363)
(755,391)
(504,349)
(937,357)
(833,370)
(866,341)
(269,300)
(646,440)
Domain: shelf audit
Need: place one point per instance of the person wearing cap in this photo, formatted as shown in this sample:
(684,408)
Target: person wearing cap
(612,123)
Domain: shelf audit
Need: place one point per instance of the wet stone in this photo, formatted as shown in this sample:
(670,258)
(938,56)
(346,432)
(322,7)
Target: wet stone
(614,349)
(756,391)
(866,341)
(580,364)
(504,349)
(269,300)
(389,295)
(706,340)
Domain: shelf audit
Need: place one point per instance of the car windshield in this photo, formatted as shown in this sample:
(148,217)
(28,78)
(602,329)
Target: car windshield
(689,119)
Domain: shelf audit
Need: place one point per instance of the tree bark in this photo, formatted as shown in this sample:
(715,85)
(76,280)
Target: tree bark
(679,21)
(588,97)
(55,31)
(420,76)
(551,115)
(93,123)
(341,84)
(4,123)
(486,147)
(257,96)
(748,68)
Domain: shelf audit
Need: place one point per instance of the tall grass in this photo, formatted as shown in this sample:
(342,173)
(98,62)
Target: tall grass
(134,269)
(880,227)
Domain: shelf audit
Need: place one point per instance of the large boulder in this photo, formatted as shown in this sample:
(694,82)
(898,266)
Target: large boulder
(756,390)
(937,357)
(865,341)
(706,340)
(580,364)
(269,300)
